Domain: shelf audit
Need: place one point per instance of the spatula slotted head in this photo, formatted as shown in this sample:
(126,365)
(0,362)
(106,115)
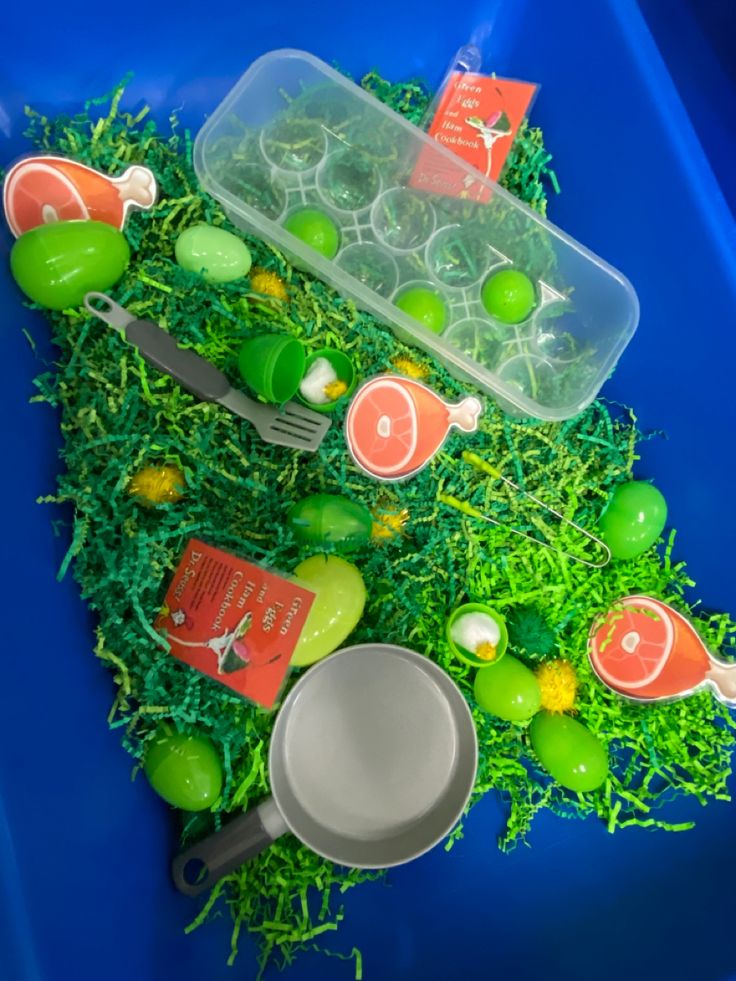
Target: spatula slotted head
(293,425)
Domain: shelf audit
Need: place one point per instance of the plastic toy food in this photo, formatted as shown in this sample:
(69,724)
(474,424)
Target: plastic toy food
(217,254)
(509,296)
(424,305)
(633,520)
(56,265)
(316,230)
(569,752)
(509,691)
(477,634)
(647,651)
(329,519)
(394,425)
(42,190)
(183,769)
(336,610)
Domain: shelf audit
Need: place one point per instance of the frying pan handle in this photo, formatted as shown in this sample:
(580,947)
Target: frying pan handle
(202,865)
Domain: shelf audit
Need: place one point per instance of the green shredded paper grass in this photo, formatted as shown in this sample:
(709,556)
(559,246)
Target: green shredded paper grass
(119,416)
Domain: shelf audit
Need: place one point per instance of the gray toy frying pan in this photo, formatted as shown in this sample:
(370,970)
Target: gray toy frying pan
(372,761)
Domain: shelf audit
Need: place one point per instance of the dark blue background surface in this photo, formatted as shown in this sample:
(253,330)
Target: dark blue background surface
(84,890)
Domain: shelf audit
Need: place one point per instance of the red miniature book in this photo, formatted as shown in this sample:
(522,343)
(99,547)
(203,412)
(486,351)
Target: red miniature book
(477,118)
(233,620)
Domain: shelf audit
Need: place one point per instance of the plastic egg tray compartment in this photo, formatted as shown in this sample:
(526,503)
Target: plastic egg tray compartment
(295,135)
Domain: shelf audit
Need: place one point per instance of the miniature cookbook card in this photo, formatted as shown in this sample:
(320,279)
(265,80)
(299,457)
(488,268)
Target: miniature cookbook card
(233,620)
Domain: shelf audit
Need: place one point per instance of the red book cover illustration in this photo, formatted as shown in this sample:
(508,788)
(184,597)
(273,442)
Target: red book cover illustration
(233,620)
(478,118)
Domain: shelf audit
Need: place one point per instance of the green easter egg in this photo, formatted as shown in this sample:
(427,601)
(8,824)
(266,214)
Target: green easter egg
(315,229)
(508,689)
(57,264)
(568,751)
(336,610)
(424,305)
(329,519)
(183,769)
(509,296)
(634,519)
(218,255)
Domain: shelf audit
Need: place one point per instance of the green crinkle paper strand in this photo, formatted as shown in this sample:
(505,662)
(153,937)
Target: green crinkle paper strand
(118,416)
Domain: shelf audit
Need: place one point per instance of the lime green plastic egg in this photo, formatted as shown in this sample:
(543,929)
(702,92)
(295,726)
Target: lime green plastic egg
(183,769)
(57,264)
(633,520)
(336,610)
(329,519)
(218,255)
(424,305)
(569,752)
(315,229)
(508,689)
(509,296)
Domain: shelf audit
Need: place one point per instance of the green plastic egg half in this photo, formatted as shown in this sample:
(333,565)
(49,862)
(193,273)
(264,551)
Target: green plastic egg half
(569,752)
(57,264)
(508,689)
(183,769)
(329,519)
(336,610)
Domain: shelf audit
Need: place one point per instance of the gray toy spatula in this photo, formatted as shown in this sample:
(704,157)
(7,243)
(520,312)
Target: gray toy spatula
(292,425)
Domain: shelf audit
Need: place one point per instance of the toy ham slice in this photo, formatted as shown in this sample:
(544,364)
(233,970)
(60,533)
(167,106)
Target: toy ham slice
(647,651)
(394,425)
(39,190)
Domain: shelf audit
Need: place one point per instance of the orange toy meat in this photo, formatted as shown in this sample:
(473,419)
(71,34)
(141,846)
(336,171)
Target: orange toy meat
(646,650)
(394,425)
(39,190)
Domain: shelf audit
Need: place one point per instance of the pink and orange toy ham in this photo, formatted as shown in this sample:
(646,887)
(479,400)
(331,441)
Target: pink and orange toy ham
(646,651)
(39,190)
(394,425)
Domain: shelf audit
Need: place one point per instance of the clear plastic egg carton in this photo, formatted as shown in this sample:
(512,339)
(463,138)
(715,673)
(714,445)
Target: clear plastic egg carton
(295,134)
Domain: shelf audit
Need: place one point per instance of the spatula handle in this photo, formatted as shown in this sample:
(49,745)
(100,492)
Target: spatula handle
(193,372)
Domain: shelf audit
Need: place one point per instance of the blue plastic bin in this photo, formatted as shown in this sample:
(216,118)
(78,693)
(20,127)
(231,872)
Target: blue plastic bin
(84,886)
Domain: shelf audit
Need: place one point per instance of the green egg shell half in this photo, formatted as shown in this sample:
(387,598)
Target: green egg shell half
(508,689)
(184,769)
(57,264)
(569,752)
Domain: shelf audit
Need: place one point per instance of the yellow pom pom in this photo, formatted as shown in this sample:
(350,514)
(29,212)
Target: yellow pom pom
(486,651)
(406,366)
(268,283)
(389,525)
(158,485)
(559,684)
(335,389)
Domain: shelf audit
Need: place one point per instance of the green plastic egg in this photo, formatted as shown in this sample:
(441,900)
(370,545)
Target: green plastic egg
(569,752)
(218,255)
(183,769)
(424,305)
(315,229)
(57,264)
(508,689)
(329,519)
(336,609)
(634,519)
(509,296)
